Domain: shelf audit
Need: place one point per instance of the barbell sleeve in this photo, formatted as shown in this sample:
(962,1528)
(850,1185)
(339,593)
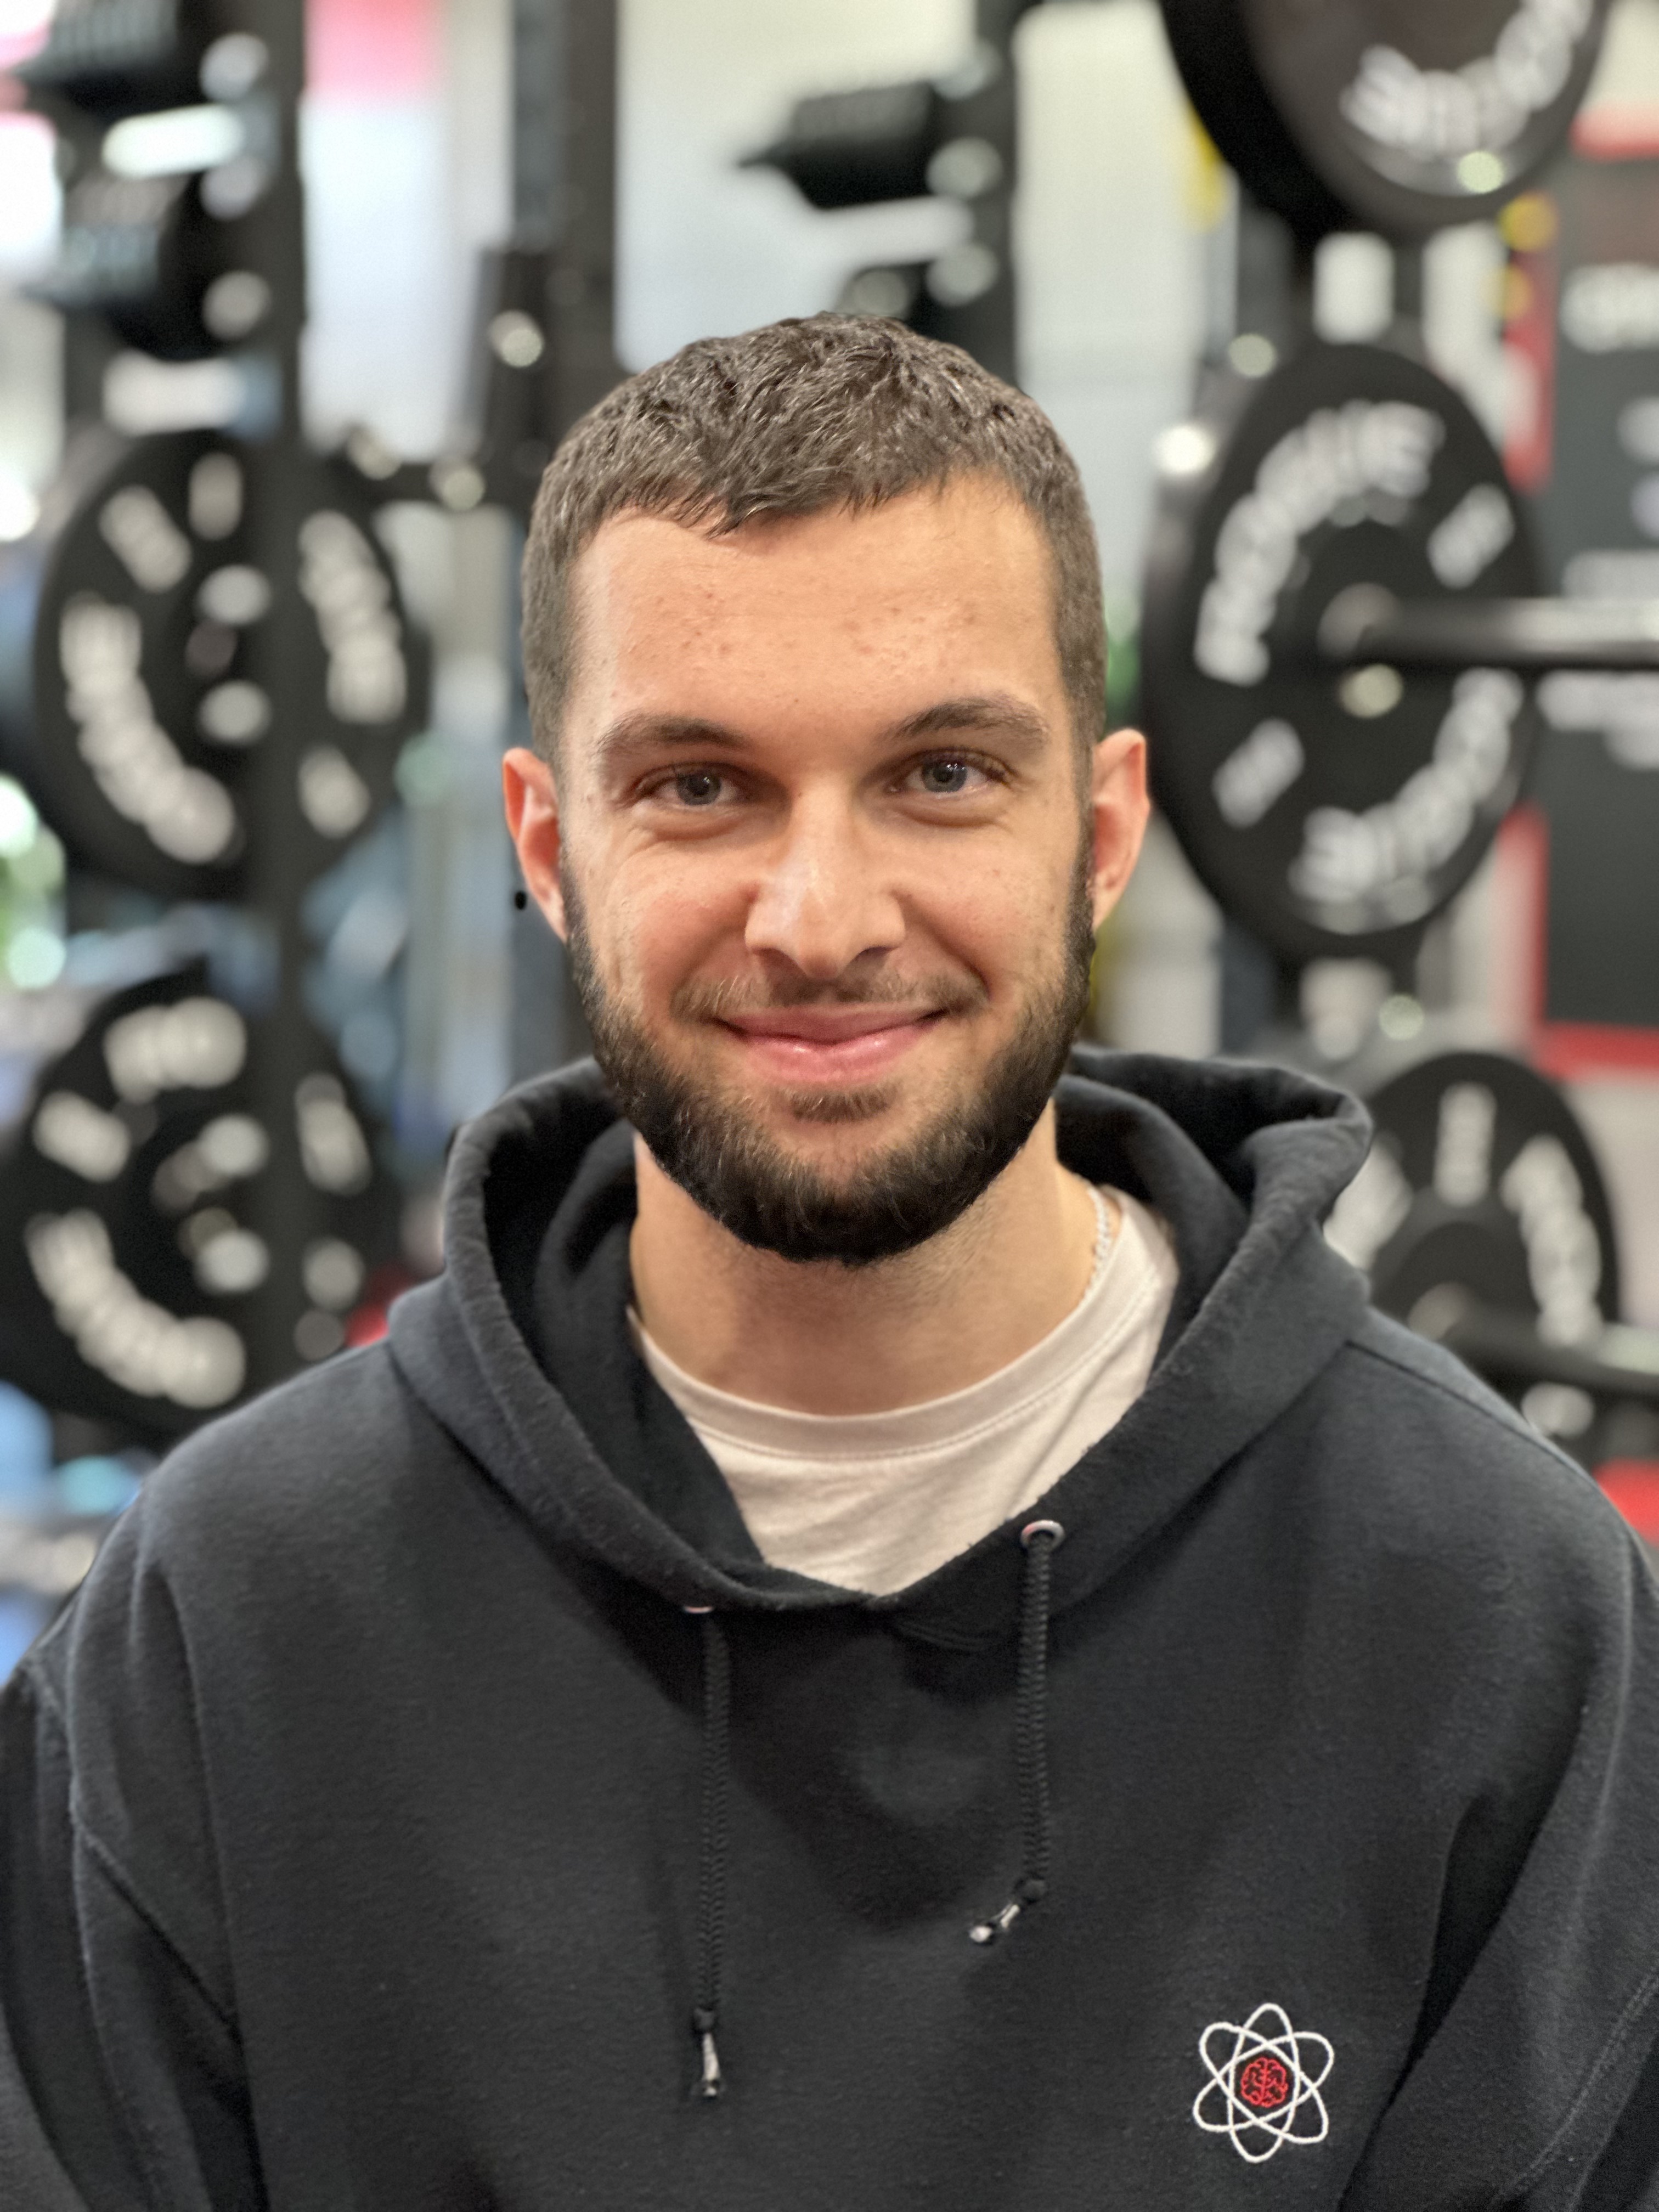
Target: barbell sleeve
(1618,1363)
(1366,624)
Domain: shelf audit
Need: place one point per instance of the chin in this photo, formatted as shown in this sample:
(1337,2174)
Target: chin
(832,1107)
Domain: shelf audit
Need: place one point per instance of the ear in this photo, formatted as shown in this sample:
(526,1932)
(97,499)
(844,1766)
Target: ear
(1119,807)
(532,820)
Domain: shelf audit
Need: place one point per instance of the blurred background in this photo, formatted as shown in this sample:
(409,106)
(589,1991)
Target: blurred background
(294,303)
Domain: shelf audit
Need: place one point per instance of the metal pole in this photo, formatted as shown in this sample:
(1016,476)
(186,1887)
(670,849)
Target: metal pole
(564,202)
(281,846)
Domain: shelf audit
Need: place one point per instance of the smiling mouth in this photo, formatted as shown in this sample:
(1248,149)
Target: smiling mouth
(828,1045)
(827,1024)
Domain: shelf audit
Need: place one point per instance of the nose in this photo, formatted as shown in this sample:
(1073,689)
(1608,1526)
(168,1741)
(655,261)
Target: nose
(824,900)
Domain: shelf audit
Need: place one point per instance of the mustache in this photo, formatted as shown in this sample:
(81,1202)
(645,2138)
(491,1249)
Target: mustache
(719,1000)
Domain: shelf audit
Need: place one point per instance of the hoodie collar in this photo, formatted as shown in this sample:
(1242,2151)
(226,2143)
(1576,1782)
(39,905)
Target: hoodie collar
(520,1348)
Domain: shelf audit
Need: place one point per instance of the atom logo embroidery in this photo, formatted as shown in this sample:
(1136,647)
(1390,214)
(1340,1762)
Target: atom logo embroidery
(1265,2079)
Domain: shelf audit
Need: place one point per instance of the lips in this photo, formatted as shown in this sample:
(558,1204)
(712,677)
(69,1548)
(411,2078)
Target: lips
(827,1025)
(830,1044)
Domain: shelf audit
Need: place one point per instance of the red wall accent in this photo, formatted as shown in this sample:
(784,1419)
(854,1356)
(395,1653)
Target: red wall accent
(1632,1484)
(372,49)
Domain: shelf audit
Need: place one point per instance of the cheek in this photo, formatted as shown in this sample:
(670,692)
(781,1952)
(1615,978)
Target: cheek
(665,925)
(999,915)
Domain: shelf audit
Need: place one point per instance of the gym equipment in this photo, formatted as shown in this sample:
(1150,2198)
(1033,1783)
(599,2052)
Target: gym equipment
(1481,1216)
(845,148)
(144,1274)
(953,137)
(183,225)
(547,351)
(171,228)
(1582,289)
(206,676)
(1342,606)
(138,630)
(111,55)
(1399,116)
(1340,603)
(1332,812)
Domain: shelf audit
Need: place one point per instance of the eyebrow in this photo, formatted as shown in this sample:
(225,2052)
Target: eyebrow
(995,710)
(644,735)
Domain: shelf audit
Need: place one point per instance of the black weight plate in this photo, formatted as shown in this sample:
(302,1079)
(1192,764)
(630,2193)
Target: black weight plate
(138,670)
(1216,57)
(1407,114)
(142,252)
(1332,813)
(1418,114)
(136,1204)
(1481,1185)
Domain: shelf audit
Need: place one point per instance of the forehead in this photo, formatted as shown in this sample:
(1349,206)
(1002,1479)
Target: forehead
(952,585)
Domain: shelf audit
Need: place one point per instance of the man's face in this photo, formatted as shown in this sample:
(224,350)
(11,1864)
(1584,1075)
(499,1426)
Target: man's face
(820,848)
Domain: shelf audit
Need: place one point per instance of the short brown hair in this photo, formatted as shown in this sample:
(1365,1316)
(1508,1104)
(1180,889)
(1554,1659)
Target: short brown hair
(791,419)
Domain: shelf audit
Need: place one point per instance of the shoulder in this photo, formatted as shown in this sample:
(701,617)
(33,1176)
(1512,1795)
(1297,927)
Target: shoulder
(240,1551)
(1423,1462)
(260,1539)
(323,1451)
(1416,1365)
(1427,1390)
(272,1503)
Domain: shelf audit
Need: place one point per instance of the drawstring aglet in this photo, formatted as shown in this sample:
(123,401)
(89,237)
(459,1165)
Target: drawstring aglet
(702,2026)
(1029,1892)
(986,1931)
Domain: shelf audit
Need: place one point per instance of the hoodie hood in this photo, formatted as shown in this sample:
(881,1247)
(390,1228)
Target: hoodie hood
(521,1347)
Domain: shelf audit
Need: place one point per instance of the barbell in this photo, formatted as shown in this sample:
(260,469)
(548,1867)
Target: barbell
(1341,608)
(1483,1221)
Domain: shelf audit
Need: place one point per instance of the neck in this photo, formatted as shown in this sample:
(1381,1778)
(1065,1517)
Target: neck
(821,1338)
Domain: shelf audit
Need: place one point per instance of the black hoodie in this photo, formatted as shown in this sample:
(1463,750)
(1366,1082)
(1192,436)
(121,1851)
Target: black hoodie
(431,1788)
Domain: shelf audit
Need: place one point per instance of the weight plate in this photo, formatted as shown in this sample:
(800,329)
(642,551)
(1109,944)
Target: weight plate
(144,1200)
(1216,57)
(118,54)
(1480,1185)
(145,645)
(1331,812)
(145,253)
(1401,116)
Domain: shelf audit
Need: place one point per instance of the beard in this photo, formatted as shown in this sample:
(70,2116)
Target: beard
(718,1152)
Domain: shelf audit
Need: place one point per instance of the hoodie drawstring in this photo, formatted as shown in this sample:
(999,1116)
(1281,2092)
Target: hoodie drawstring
(711,1872)
(1041,1539)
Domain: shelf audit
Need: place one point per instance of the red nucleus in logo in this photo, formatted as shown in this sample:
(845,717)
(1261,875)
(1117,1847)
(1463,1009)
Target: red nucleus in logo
(1265,2079)
(1264,2084)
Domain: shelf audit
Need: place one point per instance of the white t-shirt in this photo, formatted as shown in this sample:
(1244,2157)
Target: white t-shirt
(875,1501)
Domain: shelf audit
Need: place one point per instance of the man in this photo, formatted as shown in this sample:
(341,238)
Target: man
(887,1634)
